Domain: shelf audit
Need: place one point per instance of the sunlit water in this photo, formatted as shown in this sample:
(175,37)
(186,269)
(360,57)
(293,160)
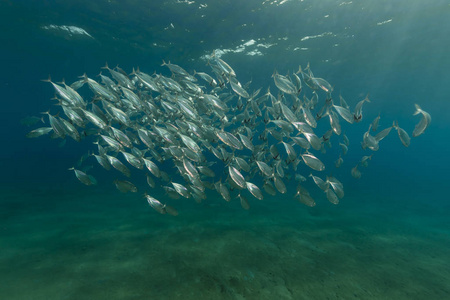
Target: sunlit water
(387,239)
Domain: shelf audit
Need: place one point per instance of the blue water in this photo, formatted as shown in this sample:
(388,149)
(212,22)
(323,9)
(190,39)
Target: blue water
(387,239)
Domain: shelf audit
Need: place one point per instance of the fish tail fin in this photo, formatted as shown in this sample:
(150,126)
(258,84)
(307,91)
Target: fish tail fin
(367,98)
(58,100)
(62,82)
(418,110)
(395,125)
(106,66)
(299,70)
(307,67)
(84,77)
(49,79)
(70,169)
(274,73)
(164,63)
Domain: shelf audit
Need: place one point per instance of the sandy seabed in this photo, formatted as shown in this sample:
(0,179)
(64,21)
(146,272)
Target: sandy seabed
(106,245)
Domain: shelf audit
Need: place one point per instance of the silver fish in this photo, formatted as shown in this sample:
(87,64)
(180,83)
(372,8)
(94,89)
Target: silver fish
(58,127)
(237,88)
(125,186)
(355,172)
(375,123)
(224,192)
(39,132)
(365,160)
(30,121)
(62,92)
(224,67)
(152,167)
(133,160)
(299,177)
(246,142)
(403,135)
(290,151)
(284,84)
(171,192)
(313,140)
(268,187)
(370,141)
(94,119)
(383,133)
(70,130)
(190,143)
(304,196)
(334,123)
(331,196)
(313,162)
(342,102)
(357,114)
(309,117)
(122,137)
(423,123)
(206,171)
(170,210)
(344,113)
(244,202)
(279,168)
(103,161)
(118,165)
(279,184)
(155,204)
(175,69)
(319,182)
(344,148)
(112,142)
(206,77)
(190,168)
(150,181)
(83,177)
(237,177)
(265,169)
(173,122)
(181,189)
(336,185)
(254,190)
(301,142)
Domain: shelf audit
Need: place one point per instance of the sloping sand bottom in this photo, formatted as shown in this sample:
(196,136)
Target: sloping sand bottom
(110,246)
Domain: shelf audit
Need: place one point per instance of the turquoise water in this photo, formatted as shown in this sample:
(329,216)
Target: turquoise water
(387,239)
(60,244)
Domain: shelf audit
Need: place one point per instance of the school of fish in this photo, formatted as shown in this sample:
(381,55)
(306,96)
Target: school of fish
(199,123)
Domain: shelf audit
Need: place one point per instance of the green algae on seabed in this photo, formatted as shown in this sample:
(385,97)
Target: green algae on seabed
(110,246)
